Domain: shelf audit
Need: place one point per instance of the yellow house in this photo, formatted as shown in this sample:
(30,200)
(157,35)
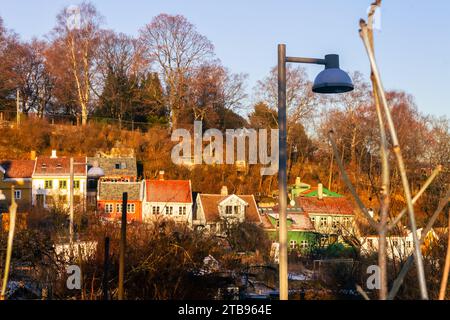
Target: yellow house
(51,178)
(16,173)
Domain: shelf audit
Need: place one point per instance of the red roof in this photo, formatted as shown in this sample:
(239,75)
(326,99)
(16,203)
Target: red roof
(17,169)
(46,166)
(178,191)
(327,205)
(210,205)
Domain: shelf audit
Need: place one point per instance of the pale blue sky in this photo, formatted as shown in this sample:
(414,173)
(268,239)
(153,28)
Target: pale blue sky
(412,48)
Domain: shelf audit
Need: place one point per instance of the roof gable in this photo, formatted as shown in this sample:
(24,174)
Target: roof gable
(210,205)
(229,199)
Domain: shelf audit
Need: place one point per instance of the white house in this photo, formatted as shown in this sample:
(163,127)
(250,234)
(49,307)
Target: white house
(398,246)
(214,210)
(167,198)
(51,178)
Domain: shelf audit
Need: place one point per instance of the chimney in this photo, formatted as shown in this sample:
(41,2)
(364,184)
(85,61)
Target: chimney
(54,156)
(161,175)
(224,191)
(32,155)
(297,182)
(320,191)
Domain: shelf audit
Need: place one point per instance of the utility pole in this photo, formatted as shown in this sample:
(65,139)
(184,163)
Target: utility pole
(71,188)
(17,108)
(123,244)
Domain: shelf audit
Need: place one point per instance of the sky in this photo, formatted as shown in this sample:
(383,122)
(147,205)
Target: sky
(412,46)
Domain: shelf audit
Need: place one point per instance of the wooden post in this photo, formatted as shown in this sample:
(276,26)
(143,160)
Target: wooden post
(123,243)
(12,224)
(105,270)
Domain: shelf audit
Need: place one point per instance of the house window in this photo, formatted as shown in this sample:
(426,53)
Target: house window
(117,165)
(155,209)
(237,209)
(323,221)
(17,194)
(346,221)
(123,165)
(76,184)
(131,208)
(48,184)
(109,208)
(229,209)
(292,244)
(63,184)
(304,244)
(313,220)
(335,223)
(395,243)
(169,210)
(408,244)
(370,242)
(118,207)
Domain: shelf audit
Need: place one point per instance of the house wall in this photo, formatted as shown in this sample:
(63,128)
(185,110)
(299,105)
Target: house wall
(22,185)
(117,214)
(312,238)
(38,188)
(148,215)
(330,219)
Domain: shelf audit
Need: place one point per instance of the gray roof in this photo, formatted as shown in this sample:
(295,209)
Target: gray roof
(127,166)
(115,190)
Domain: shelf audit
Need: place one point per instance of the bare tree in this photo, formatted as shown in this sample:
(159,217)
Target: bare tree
(176,48)
(300,100)
(74,48)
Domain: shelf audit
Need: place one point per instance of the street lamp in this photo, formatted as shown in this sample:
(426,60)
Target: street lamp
(330,80)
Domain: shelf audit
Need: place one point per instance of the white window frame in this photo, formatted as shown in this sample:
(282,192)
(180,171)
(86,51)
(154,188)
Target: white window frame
(131,208)
(118,207)
(293,244)
(109,207)
(304,244)
(17,194)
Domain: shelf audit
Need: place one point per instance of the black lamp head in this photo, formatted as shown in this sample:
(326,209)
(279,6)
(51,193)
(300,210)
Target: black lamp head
(332,79)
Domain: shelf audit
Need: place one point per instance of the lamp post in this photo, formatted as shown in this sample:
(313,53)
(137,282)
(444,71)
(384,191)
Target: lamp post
(330,80)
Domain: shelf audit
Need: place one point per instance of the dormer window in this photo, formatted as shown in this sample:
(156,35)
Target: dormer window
(58,166)
(117,166)
(229,209)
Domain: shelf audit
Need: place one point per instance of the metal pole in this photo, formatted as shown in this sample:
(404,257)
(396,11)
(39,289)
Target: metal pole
(282,179)
(71,188)
(123,243)
(105,270)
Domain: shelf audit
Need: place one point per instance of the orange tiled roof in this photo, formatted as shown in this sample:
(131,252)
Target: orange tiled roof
(210,205)
(46,166)
(327,205)
(169,191)
(17,169)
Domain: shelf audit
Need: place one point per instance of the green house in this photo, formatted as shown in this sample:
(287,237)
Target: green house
(301,233)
